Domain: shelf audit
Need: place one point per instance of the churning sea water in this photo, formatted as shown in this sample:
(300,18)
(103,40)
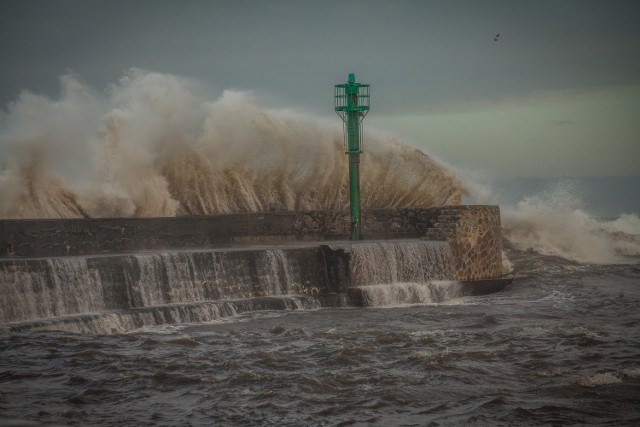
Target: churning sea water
(560,346)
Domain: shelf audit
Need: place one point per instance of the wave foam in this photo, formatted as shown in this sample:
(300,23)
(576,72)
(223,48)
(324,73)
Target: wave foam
(598,379)
(554,223)
(154,147)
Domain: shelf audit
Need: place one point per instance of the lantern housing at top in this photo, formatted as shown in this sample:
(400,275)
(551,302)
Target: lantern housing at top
(352,102)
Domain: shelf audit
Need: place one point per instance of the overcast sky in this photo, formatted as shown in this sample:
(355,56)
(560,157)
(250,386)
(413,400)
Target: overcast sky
(558,94)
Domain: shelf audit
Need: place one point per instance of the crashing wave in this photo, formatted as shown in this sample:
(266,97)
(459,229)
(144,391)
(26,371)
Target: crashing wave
(153,147)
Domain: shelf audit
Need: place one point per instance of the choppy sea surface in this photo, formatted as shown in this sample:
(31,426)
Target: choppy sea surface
(560,346)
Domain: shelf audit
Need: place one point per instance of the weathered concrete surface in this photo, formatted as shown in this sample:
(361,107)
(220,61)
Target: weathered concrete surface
(54,237)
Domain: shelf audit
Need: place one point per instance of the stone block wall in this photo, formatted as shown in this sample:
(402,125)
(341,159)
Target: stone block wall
(475,236)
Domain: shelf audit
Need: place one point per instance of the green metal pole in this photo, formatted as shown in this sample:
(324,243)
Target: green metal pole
(352,104)
(353,144)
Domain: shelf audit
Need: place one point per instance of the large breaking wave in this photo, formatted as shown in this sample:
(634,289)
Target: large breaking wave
(152,146)
(555,223)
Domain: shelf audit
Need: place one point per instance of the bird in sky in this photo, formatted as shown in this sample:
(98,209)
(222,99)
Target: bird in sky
(498,37)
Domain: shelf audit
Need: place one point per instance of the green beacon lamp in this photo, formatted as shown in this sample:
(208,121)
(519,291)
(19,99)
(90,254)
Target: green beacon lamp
(352,104)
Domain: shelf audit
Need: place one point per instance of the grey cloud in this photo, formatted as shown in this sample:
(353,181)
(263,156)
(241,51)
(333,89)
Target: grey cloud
(415,54)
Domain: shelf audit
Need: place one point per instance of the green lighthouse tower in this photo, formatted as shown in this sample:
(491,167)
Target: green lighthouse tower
(352,104)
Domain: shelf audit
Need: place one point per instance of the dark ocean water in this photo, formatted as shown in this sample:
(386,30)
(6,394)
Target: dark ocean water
(561,346)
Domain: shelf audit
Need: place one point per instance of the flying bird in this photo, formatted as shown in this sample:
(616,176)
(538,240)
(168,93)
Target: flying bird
(498,37)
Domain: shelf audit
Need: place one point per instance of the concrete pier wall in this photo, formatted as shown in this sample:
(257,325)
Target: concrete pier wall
(141,269)
(62,237)
(473,231)
(118,293)
(40,288)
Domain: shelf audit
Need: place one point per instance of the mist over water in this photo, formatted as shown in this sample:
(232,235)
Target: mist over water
(151,145)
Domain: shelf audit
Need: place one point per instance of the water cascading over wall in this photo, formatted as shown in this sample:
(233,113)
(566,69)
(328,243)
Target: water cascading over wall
(50,288)
(119,293)
(115,294)
(374,263)
(405,272)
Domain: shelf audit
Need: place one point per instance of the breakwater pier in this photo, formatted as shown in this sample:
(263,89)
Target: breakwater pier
(116,275)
